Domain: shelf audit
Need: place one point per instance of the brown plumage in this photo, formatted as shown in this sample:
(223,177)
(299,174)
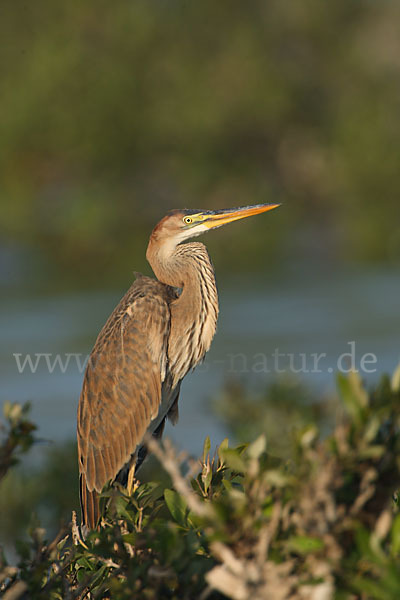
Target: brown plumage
(157,333)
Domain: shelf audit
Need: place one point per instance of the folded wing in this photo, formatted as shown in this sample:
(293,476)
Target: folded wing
(122,388)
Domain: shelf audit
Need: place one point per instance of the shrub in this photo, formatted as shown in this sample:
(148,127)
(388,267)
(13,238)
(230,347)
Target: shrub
(324,523)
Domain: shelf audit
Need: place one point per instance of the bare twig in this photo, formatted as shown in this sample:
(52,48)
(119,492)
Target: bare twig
(76,534)
(169,460)
(18,590)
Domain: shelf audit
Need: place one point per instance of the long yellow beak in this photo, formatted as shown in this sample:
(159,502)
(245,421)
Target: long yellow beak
(221,217)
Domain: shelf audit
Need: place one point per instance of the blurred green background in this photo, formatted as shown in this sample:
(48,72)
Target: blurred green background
(112,114)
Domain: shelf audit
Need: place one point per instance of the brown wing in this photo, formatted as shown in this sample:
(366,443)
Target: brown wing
(121,391)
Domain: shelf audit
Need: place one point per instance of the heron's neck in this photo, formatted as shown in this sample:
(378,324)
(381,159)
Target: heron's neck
(194,314)
(186,266)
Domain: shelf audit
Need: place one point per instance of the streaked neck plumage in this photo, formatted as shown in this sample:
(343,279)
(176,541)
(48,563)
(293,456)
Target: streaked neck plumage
(194,314)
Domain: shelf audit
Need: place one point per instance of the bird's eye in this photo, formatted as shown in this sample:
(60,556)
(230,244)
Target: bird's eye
(187,220)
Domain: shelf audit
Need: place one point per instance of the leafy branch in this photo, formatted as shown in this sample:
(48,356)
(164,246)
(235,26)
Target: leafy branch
(240,524)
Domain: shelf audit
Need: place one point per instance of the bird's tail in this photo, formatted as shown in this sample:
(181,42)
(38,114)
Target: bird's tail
(90,505)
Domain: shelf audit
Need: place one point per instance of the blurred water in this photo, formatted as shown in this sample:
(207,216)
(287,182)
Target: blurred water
(299,314)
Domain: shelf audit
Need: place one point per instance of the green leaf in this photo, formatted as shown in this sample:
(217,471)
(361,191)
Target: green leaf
(177,506)
(277,478)
(371,452)
(371,589)
(13,412)
(99,576)
(257,447)
(81,575)
(372,428)
(206,448)
(302,544)
(62,542)
(308,436)
(121,502)
(223,445)
(396,380)
(354,396)
(84,563)
(396,536)
(233,459)
(206,475)
(227,484)
(129,538)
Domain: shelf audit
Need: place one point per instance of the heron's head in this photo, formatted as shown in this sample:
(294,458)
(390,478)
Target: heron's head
(180,225)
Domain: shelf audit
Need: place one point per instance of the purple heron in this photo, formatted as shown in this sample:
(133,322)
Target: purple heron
(160,330)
